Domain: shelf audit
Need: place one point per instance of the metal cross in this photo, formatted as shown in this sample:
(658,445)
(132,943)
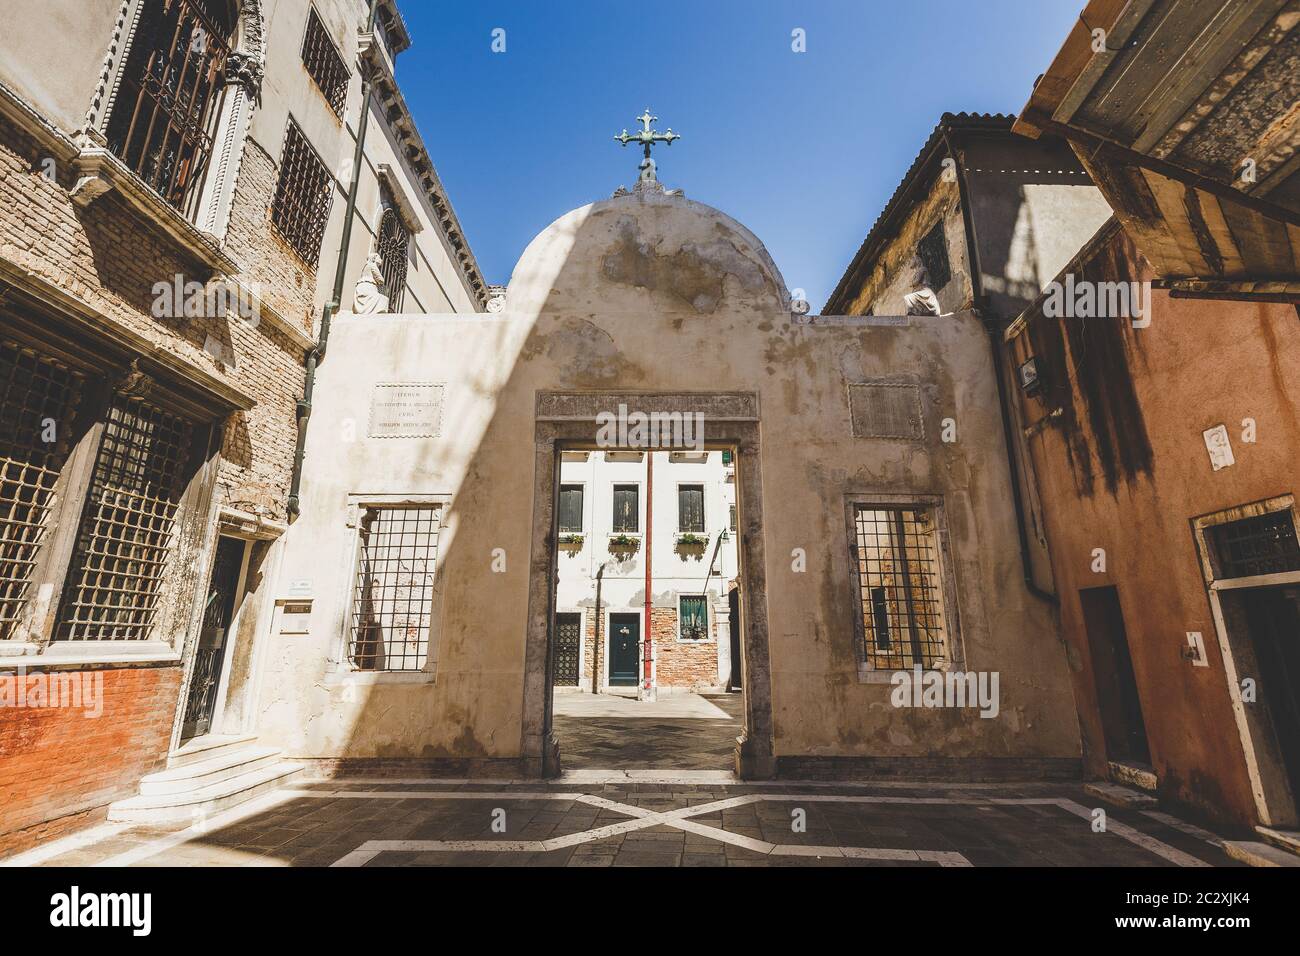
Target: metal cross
(647,138)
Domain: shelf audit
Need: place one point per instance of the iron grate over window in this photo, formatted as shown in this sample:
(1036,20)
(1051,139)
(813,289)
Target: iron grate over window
(324,64)
(303,193)
(1263,544)
(165,118)
(37,399)
(393,245)
(127,525)
(693,617)
(393,599)
(898,577)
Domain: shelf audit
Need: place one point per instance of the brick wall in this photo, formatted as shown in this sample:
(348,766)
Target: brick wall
(678,664)
(60,768)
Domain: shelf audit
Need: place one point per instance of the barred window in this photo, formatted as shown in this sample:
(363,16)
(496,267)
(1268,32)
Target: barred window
(690,508)
(301,206)
(900,591)
(38,397)
(570,509)
(166,111)
(693,617)
(393,600)
(324,64)
(393,245)
(1262,544)
(127,525)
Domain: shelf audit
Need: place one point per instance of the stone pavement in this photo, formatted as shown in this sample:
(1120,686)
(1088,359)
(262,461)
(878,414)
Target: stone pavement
(678,731)
(631,818)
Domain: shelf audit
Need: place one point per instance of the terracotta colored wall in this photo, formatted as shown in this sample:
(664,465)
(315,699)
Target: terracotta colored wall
(1124,467)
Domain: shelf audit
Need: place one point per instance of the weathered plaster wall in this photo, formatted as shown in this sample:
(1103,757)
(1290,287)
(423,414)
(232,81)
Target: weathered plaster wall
(660,293)
(1124,468)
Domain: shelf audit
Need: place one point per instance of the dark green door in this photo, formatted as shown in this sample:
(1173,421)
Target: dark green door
(624,641)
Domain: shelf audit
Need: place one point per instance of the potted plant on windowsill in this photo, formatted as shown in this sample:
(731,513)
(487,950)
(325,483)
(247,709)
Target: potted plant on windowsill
(688,542)
(623,544)
(571,542)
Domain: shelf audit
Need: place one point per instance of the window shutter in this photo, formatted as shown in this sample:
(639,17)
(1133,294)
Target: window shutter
(570,508)
(625,508)
(690,508)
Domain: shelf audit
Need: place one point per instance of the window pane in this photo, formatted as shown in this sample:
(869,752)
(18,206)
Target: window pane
(694,618)
(690,508)
(626,508)
(570,508)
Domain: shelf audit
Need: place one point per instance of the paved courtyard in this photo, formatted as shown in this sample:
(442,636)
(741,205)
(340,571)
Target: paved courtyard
(646,818)
(678,731)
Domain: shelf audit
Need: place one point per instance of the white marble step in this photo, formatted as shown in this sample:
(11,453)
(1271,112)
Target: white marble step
(208,746)
(193,806)
(205,773)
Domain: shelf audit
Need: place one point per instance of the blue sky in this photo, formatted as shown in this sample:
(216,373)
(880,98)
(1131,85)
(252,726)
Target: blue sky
(803,148)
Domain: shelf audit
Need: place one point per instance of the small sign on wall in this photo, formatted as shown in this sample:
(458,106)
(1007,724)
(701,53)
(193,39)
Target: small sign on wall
(406,410)
(1219,446)
(295,617)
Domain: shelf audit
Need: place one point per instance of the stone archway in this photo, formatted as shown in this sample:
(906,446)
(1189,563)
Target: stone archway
(569,420)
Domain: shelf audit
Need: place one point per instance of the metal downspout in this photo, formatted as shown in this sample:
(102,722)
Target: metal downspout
(317,353)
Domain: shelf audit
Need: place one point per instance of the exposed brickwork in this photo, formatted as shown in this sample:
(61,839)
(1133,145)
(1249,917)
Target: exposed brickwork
(688,664)
(286,282)
(59,767)
(691,664)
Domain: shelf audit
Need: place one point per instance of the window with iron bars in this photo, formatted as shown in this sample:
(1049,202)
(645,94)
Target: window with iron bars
(168,104)
(392,603)
(127,525)
(324,64)
(393,245)
(301,206)
(1261,544)
(38,397)
(900,591)
(693,617)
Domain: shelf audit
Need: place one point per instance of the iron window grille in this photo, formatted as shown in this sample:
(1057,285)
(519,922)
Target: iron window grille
(693,617)
(303,194)
(393,245)
(324,63)
(393,596)
(933,250)
(690,509)
(167,110)
(39,394)
(127,525)
(897,556)
(1263,544)
(570,509)
(627,507)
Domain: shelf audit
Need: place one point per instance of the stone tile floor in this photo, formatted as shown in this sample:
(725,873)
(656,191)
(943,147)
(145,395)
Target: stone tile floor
(597,819)
(677,732)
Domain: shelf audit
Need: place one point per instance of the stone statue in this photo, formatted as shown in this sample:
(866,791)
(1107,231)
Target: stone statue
(922,301)
(368,298)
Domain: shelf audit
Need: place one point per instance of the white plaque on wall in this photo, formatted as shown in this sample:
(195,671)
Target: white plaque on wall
(406,410)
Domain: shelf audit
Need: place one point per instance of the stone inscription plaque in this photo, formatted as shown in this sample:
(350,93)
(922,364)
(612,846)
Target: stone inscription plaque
(406,410)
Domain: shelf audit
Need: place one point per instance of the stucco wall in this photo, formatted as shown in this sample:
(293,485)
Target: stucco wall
(660,293)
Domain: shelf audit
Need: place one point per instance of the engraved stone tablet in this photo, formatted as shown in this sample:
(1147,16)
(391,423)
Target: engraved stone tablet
(406,410)
(886,410)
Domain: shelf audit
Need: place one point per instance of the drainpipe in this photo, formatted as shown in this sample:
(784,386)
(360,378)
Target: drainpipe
(595,650)
(992,327)
(316,354)
(647,675)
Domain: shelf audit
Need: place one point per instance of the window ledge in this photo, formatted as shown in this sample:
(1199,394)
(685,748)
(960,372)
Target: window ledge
(343,677)
(69,654)
(99,171)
